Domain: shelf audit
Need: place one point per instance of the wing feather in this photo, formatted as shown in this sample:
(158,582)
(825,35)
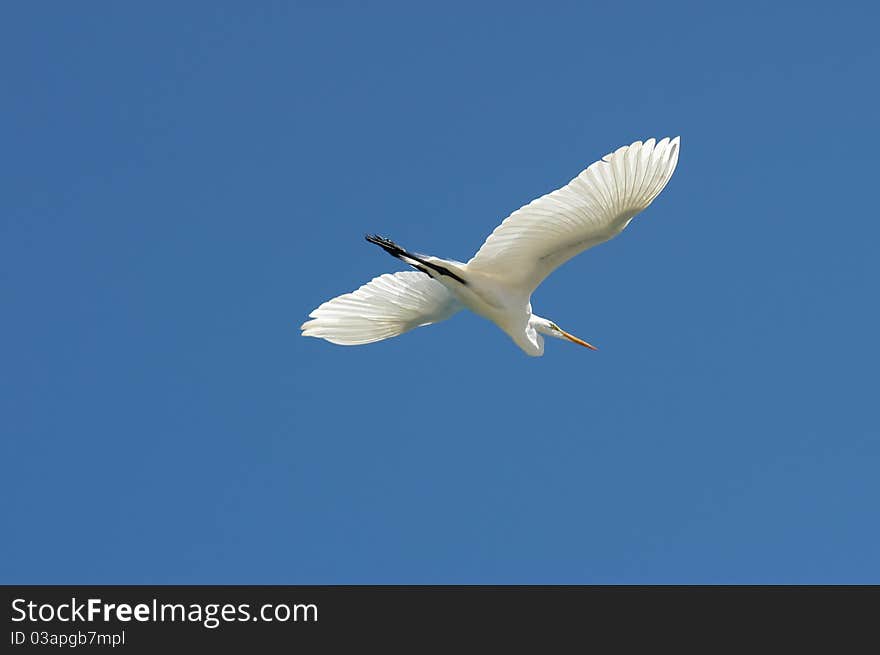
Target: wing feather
(385,307)
(595,206)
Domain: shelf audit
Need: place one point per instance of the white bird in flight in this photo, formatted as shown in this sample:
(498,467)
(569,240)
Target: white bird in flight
(497,283)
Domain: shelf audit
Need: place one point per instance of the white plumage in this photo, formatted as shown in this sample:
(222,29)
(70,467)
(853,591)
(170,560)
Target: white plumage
(384,307)
(521,252)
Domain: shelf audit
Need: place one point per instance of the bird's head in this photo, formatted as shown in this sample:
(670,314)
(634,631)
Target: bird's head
(550,328)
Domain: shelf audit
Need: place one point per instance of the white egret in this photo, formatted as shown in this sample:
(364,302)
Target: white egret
(497,283)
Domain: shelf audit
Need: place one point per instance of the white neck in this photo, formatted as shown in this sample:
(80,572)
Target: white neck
(542,325)
(531,340)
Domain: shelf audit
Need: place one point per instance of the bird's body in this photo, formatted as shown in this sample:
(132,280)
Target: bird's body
(497,283)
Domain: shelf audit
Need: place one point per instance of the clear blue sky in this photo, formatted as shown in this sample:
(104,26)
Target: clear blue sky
(183,182)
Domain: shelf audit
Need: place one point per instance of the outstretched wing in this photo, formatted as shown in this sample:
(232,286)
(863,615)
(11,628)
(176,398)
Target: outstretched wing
(388,305)
(595,206)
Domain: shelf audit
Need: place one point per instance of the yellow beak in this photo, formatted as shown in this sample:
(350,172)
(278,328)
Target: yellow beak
(579,342)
